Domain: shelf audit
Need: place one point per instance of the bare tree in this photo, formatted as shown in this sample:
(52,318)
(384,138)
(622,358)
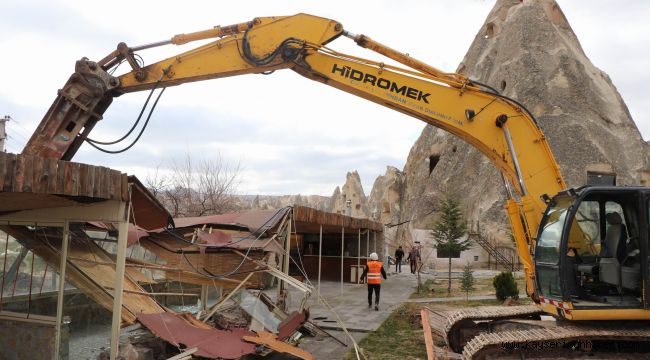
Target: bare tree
(197,188)
(157,183)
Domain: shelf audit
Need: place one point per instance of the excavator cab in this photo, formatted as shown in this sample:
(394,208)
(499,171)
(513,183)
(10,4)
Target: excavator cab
(592,248)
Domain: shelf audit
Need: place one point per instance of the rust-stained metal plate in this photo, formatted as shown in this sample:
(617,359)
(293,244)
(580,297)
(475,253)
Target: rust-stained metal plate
(251,220)
(211,343)
(291,324)
(147,213)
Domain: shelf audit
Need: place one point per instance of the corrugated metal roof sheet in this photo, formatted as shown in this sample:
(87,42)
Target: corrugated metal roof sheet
(212,343)
(251,220)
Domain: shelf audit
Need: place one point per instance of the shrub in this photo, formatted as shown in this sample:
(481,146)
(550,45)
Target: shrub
(505,286)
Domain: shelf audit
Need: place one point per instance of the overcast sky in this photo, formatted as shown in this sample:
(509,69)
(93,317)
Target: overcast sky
(289,134)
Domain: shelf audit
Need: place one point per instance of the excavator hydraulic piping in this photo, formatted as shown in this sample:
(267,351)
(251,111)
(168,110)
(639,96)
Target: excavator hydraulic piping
(151,45)
(515,162)
(455,80)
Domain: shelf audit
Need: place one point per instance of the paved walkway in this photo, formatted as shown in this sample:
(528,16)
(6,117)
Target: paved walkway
(351,305)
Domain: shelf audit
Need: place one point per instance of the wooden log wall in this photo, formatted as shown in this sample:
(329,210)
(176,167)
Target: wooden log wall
(313,216)
(33,174)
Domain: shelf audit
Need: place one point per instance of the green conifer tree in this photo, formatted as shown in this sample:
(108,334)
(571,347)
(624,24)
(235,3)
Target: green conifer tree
(448,230)
(467,281)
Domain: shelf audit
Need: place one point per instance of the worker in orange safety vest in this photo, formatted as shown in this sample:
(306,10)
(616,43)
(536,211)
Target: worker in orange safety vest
(374,271)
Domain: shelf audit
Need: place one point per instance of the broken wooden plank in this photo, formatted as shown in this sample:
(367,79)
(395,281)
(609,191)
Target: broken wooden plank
(187,354)
(19,175)
(28,177)
(100,183)
(51,175)
(10,165)
(3,161)
(124,181)
(60,177)
(270,340)
(84,179)
(428,339)
(40,178)
(75,179)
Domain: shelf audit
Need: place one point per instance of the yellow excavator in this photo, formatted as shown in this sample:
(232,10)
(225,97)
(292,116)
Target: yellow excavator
(584,251)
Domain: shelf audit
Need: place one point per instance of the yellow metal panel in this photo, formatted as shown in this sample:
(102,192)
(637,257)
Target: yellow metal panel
(609,314)
(224,57)
(444,107)
(266,37)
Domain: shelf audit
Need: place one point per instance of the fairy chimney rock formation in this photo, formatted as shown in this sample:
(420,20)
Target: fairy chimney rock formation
(350,198)
(528,51)
(384,200)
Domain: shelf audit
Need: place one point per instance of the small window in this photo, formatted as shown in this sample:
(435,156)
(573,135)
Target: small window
(489,30)
(475,257)
(433,161)
(595,178)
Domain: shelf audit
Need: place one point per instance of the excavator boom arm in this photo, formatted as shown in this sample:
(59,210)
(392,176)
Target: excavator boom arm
(497,126)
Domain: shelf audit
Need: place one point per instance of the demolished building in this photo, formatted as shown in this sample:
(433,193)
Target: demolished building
(71,247)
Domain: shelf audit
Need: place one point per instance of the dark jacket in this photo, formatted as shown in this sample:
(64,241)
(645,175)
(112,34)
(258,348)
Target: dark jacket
(414,255)
(399,254)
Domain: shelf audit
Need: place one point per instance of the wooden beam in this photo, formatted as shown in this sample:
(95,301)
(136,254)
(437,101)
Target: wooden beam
(428,339)
(123,230)
(187,354)
(62,278)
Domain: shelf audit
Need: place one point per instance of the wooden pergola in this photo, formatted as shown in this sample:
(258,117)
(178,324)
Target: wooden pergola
(337,255)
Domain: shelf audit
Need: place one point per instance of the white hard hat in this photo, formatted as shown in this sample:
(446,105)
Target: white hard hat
(374,256)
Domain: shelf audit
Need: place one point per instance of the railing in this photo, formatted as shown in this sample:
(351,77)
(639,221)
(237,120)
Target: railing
(488,245)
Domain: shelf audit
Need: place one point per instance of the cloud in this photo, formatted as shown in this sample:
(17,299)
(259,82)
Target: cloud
(291,135)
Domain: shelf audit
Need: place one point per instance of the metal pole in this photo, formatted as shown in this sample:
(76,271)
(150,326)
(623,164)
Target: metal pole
(3,133)
(342,241)
(358,255)
(123,230)
(367,245)
(204,297)
(59,299)
(320,256)
(287,249)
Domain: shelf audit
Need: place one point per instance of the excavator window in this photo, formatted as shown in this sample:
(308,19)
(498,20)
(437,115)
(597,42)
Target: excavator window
(587,241)
(602,262)
(547,253)
(548,244)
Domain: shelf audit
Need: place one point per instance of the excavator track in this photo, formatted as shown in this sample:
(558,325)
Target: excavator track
(486,333)
(531,342)
(456,325)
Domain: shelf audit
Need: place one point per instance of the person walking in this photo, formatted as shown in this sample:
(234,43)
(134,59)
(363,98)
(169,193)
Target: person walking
(399,255)
(374,271)
(413,258)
